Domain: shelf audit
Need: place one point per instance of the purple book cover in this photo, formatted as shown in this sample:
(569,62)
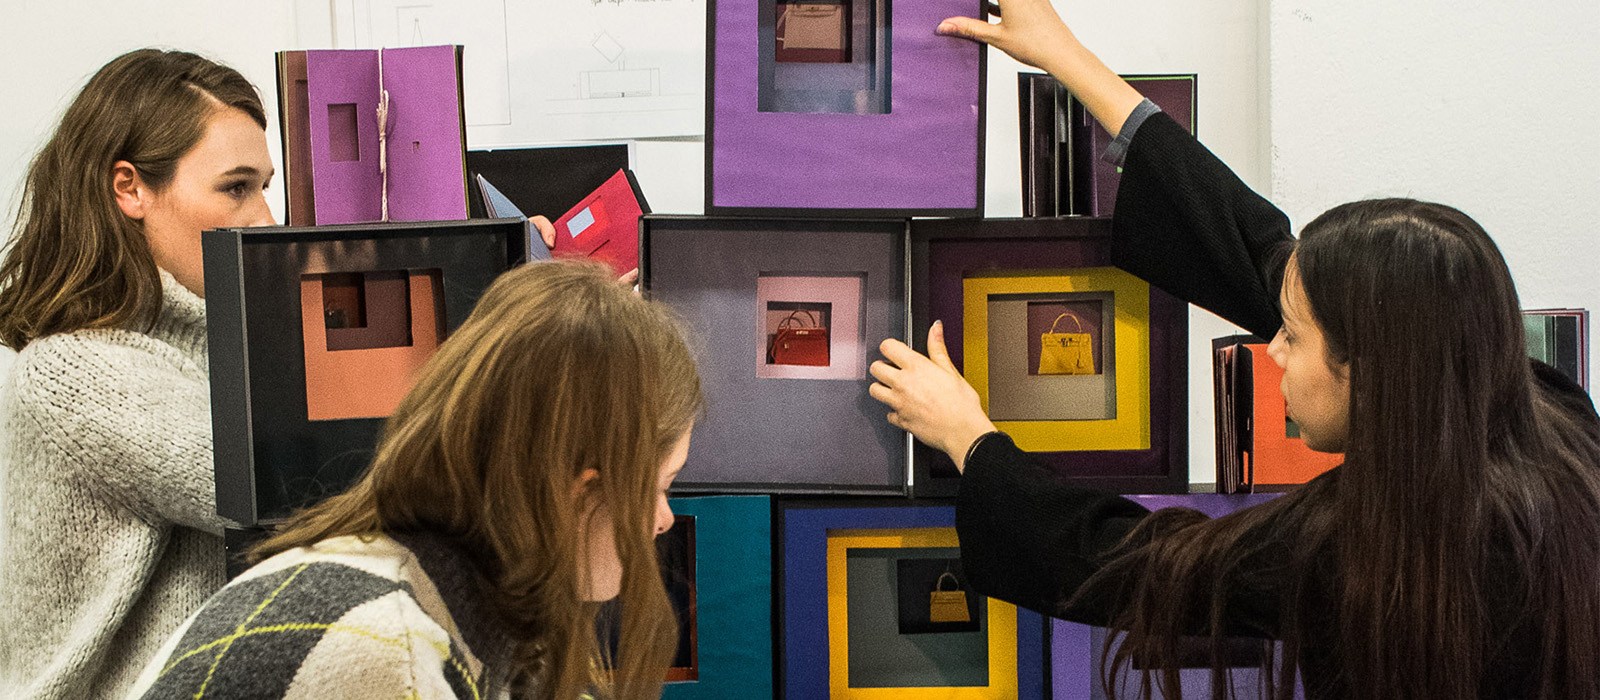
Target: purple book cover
(342,96)
(923,154)
(427,168)
(1174,94)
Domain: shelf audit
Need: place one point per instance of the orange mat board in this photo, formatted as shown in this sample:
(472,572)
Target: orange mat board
(1278,458)
(367,382)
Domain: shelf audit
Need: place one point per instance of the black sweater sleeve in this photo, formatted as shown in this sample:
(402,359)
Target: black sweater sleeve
(1032,539)
(1186,224)
(1027,537)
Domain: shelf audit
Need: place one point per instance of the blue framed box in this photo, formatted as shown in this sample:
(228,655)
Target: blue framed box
(851,590)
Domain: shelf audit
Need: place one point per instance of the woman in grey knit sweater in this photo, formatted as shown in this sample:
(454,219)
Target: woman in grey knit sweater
(110,537)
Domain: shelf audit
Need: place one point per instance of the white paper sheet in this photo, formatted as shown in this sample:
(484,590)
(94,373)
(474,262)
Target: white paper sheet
(544,71)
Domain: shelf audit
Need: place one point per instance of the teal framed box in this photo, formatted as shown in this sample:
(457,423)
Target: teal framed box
(729,618)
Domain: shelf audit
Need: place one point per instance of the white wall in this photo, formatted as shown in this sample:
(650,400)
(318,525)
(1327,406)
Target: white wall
(52,48)
(1481,104)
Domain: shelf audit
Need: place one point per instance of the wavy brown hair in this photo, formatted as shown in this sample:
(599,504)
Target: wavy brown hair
(74,260)
(558,370)
(1461,537)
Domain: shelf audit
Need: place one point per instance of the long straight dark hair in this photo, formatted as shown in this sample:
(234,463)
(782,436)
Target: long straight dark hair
(1461,534)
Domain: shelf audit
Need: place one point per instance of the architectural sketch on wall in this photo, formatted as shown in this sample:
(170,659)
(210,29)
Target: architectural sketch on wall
(554,70)
(479,25)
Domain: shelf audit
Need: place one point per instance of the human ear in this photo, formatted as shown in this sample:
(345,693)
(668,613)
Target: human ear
(584,482)
(129,190)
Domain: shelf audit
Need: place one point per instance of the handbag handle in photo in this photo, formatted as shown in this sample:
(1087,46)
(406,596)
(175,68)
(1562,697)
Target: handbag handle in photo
(810,316)
(948,606)
(1076,324)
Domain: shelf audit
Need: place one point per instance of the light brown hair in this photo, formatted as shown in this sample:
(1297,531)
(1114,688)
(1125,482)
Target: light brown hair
(75,261)
(558,370)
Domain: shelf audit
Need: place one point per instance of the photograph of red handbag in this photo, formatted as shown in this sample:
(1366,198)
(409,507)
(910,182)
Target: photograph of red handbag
(801,340)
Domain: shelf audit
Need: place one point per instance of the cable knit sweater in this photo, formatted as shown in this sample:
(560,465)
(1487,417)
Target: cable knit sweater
(110,536)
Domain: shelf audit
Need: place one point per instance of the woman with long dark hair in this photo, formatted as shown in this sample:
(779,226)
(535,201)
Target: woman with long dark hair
(1454,554)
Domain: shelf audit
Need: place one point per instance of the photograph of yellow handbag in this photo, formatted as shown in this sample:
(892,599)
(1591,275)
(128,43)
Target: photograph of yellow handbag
(1066,353)
(948,606)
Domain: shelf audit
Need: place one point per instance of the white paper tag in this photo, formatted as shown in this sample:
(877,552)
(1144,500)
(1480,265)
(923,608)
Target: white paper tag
(580,222)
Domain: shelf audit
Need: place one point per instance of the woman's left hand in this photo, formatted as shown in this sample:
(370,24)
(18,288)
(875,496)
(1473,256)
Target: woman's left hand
(927,397)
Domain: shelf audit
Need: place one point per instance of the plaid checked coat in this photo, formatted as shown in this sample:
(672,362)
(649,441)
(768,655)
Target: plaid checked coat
(394,617)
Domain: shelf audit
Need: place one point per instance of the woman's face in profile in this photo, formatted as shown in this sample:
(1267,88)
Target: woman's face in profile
(219,183)
(604,565)
(1316,387)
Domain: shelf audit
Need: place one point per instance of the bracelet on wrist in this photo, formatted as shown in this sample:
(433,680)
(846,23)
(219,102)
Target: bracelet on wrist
(974,448)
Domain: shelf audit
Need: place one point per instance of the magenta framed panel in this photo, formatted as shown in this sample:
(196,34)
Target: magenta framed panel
(907,141)
(945,252)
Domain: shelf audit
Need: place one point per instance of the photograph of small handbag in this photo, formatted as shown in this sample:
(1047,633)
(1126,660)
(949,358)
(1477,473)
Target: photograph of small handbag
(813,32)
(1066,353)
(801,340)
(948,606)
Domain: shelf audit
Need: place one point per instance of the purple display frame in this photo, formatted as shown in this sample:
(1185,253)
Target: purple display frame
(1074,649)
(942,251)
(924,158)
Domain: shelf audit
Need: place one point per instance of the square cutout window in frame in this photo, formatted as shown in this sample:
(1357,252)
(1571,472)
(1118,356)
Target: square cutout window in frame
(813,31)
(367,334)
(827,56)
(1127,433)
(810,326)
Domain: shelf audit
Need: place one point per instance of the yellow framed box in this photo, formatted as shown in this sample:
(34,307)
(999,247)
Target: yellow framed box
(1130,429)
(1137,441)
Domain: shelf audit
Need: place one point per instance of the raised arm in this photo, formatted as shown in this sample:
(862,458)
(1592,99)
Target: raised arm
(1184,221)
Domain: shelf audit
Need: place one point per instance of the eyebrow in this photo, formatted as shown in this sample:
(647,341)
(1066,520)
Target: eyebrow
(245,170)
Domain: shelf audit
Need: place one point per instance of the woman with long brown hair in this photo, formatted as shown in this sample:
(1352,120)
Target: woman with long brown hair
(520,483)
(110,536)
(1456,551)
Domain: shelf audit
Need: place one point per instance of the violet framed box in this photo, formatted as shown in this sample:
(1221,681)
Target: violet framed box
(315,335)
(862,615)
(785,315)
(843,108)
(1077,650)
(1100,394)
(719,572)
